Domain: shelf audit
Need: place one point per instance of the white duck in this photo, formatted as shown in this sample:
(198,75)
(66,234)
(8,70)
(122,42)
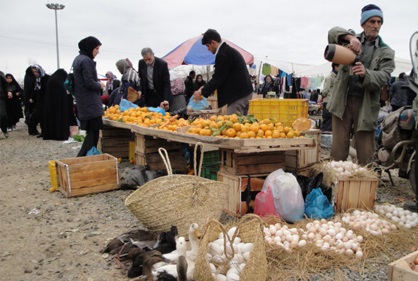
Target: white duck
(181,248)
(194,235)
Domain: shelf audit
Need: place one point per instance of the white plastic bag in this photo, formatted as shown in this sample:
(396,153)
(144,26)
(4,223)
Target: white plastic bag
(287,194)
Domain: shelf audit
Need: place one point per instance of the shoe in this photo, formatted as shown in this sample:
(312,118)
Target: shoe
(9,129)
(411,206)
(40,136)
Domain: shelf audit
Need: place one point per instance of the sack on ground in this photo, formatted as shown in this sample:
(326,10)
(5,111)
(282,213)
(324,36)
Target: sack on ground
(317,205)
(264,204)
(287,194)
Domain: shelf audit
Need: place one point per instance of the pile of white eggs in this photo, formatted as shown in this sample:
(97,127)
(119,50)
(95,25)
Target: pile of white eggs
(368,221)
(345,168)
(404,218)
(228,258)
(326,235)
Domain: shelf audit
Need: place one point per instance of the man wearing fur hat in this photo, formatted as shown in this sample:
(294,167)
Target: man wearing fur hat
(354,102)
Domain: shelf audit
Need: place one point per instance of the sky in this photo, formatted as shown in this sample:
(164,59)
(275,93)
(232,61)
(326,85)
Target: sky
(291,31)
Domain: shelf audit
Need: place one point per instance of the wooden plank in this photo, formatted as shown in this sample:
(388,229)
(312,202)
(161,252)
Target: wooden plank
(97,181)
(91,166)
(89,190)
(259,158)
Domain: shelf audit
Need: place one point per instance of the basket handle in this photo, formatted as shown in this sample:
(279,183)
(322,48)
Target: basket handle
(164,155)
(198,169)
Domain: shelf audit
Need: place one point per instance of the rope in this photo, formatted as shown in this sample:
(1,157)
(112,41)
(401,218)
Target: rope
(198,169)
(164,155)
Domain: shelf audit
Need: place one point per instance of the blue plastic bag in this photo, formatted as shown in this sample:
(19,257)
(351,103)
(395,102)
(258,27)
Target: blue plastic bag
(198,105)
(317,205)
(125,105)
(93,151)
(156,109)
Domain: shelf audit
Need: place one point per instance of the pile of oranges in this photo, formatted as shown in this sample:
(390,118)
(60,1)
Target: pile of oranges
(142,117)
(234,126)
(227,126)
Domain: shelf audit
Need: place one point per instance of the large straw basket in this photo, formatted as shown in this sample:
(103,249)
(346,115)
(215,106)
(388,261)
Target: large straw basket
(178,200)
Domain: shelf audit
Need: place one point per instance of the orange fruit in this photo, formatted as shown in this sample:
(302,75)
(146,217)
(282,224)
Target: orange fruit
(132,161)
(243,135)
(254,127)
(290,134)
(251,134)
(264,127)
(237,127)
(260,133)
(119,160)
(268,133)
(275,134)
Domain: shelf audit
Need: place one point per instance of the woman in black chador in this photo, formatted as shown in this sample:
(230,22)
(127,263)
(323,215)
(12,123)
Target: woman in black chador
(56,108)
(13,102)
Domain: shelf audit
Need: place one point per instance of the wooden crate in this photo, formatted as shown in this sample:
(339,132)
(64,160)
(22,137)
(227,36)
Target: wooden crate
(400,270)
(115,141)
(146,153)
(234,204)
(306,171)
(251,163)
(305,157)
(355,194)
(85,175)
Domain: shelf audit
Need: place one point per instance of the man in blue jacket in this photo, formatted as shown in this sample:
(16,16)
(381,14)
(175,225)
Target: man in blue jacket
(231,78)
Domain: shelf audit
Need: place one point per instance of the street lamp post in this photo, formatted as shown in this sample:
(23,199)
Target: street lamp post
(55,7)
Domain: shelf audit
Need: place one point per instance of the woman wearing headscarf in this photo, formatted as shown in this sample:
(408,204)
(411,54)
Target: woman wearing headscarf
(268,86)
(111,84)
(130,78)
(28,94)
(41,78)
(3,112)
(87,92)
(199,82)
(13,102)
(57,115)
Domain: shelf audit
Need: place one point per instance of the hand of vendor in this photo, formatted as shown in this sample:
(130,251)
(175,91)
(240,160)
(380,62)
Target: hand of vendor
(359,69)
(355,44)
(165,105)
(197,95)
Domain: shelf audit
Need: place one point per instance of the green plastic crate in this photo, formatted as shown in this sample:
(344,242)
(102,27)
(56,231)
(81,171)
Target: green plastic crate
(210,171)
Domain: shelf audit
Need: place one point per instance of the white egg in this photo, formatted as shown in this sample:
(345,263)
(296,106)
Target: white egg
(269,240)
(221,277)
(272,230)
(279,233)
(232,230)
(215,249)
(311,236)
(349,252)
(322,231)
(237,240)
(348,244)
(339,236)
(331,232)
(247,247)
(359,254)
(278,226)
(212,267)
(246,256)
(302,243)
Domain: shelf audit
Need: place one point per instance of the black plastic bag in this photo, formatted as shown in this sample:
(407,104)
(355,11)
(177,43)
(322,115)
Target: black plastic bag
(307,184)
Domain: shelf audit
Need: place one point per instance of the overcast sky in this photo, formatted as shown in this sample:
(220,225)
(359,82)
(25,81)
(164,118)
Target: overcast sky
(290,31)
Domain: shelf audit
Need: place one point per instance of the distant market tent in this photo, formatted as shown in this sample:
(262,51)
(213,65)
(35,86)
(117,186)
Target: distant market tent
(192,52)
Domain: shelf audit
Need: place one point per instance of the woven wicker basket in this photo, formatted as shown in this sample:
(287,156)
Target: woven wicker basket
(178,200)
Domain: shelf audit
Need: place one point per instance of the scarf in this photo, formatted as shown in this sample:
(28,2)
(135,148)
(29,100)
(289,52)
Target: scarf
(41,72)
(109,83)
(128,73)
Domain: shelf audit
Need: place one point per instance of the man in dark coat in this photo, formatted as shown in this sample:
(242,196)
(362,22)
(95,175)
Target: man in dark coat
(231,78)
(155,80)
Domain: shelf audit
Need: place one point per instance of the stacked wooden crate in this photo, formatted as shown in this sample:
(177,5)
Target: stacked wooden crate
(300,162)
(146,153)
(245,174)
(115,141)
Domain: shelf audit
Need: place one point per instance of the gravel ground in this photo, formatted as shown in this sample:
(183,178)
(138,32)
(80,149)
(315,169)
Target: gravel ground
(45,236)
